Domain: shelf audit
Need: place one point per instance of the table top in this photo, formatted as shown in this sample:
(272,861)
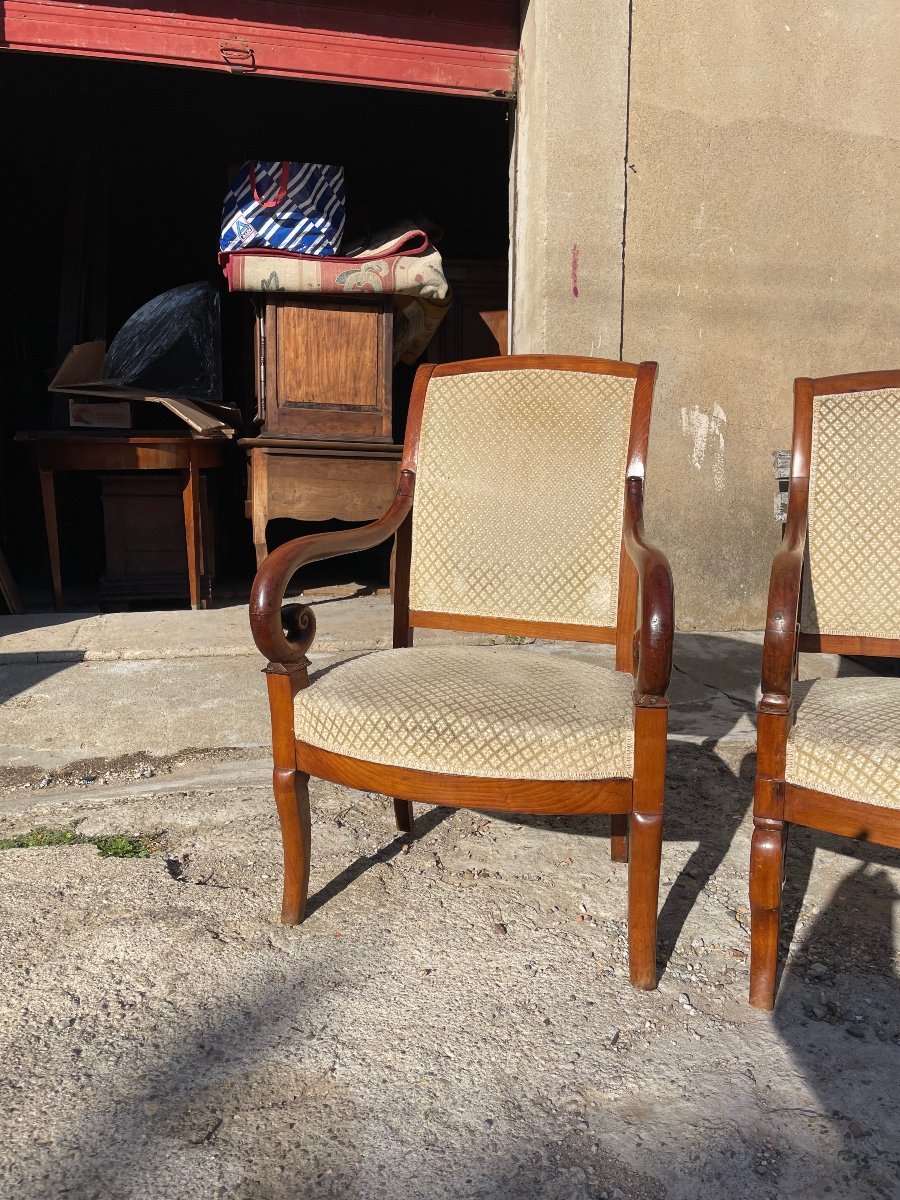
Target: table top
(369,449)
(114,450)
(127,437)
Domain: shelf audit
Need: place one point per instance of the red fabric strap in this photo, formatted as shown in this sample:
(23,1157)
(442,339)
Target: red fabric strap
(282,190)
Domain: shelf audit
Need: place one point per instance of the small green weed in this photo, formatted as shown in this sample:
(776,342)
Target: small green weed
(109,847)
(513,639)
(122,847)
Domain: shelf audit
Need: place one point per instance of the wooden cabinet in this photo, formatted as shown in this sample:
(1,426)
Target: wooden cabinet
(325,366)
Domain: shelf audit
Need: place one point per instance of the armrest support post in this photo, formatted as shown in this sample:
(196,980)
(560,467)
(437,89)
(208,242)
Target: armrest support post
(656,616)
(283,633)
(780,643)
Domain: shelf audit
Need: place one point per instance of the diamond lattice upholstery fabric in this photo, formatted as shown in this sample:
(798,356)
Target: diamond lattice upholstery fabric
(852,579)
(519,495)
(846,739)
(493,712)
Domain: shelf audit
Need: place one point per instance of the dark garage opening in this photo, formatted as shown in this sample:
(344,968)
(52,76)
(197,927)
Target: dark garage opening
(115,179)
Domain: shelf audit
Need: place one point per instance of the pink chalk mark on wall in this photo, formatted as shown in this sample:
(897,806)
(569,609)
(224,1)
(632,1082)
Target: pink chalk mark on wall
(575,270)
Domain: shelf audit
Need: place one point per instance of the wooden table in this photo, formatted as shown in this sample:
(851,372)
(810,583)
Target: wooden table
(79,450)
(311,480)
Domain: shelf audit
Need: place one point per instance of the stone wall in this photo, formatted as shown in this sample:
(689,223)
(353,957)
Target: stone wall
(760,210)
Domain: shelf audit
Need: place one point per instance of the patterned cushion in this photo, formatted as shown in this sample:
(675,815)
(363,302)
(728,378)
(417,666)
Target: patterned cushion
(846,739)
(852,580)
(519,495)
(494,712)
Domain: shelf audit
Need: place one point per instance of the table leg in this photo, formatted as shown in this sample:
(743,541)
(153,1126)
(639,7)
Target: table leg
(259,503)
(193,532)
(48,496)
(8,589)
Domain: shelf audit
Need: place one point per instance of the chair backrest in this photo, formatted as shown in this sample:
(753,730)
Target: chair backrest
(851,588)
(520,484)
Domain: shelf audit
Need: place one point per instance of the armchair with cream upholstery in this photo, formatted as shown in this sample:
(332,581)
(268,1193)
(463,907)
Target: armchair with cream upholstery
(829,749)
(519,512)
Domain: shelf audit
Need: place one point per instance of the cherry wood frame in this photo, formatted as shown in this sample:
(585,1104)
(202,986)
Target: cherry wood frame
(642,636)
(778,804)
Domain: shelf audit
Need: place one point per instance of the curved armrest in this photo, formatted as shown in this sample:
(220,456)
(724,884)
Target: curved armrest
(656,628)
(283,635)
(780,643)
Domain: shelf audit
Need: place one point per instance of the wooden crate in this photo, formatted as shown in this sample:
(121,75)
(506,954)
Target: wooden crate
(326,366)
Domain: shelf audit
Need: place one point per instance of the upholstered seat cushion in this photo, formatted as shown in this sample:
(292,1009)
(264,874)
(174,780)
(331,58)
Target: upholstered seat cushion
(846,739)
(495,712)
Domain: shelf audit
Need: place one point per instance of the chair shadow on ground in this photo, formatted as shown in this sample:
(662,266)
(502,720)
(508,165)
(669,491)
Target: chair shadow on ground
(425,824)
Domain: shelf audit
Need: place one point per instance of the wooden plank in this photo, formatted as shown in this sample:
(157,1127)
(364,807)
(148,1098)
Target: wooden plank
(192,414)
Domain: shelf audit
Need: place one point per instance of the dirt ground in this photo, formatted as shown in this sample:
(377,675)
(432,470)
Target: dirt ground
(454,1019)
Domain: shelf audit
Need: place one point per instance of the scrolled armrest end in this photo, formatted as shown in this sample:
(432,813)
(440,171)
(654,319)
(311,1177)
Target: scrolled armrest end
(285,635)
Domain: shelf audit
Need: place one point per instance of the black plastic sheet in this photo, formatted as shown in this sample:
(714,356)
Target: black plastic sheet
(172,344)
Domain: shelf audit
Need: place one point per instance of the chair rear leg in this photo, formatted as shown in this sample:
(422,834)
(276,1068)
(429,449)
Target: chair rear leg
(645,853)
(766,875)
(403,811)
(618,842)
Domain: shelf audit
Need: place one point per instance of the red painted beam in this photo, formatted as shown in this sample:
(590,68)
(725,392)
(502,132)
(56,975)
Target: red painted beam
(351,45)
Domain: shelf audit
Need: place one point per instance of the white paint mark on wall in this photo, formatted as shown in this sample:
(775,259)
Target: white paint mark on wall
(705,431)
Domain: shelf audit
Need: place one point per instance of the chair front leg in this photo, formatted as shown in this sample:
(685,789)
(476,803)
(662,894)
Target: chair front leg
(766,876)
(291,788)
(292,800)
(643,897)
(645,842)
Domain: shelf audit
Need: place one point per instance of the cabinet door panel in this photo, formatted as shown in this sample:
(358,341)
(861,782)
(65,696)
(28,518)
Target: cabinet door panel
(328,367)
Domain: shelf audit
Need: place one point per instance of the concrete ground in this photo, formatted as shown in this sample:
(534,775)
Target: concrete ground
(454,1019)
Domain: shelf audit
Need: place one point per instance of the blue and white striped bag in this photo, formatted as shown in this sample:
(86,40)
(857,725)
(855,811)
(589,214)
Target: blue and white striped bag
(297,208)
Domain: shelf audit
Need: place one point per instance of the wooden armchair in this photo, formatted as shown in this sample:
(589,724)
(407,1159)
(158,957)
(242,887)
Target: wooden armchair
(829,750)
(519,511)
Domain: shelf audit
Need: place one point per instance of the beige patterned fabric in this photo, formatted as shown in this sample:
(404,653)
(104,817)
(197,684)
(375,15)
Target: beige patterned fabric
(846,739)
(852,580)
(519,495)
(494,712)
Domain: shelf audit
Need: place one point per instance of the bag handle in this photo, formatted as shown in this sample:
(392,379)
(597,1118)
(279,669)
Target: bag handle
(282,189)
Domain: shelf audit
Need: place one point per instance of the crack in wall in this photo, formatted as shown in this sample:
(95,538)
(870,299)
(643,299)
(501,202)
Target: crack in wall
(625,168)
